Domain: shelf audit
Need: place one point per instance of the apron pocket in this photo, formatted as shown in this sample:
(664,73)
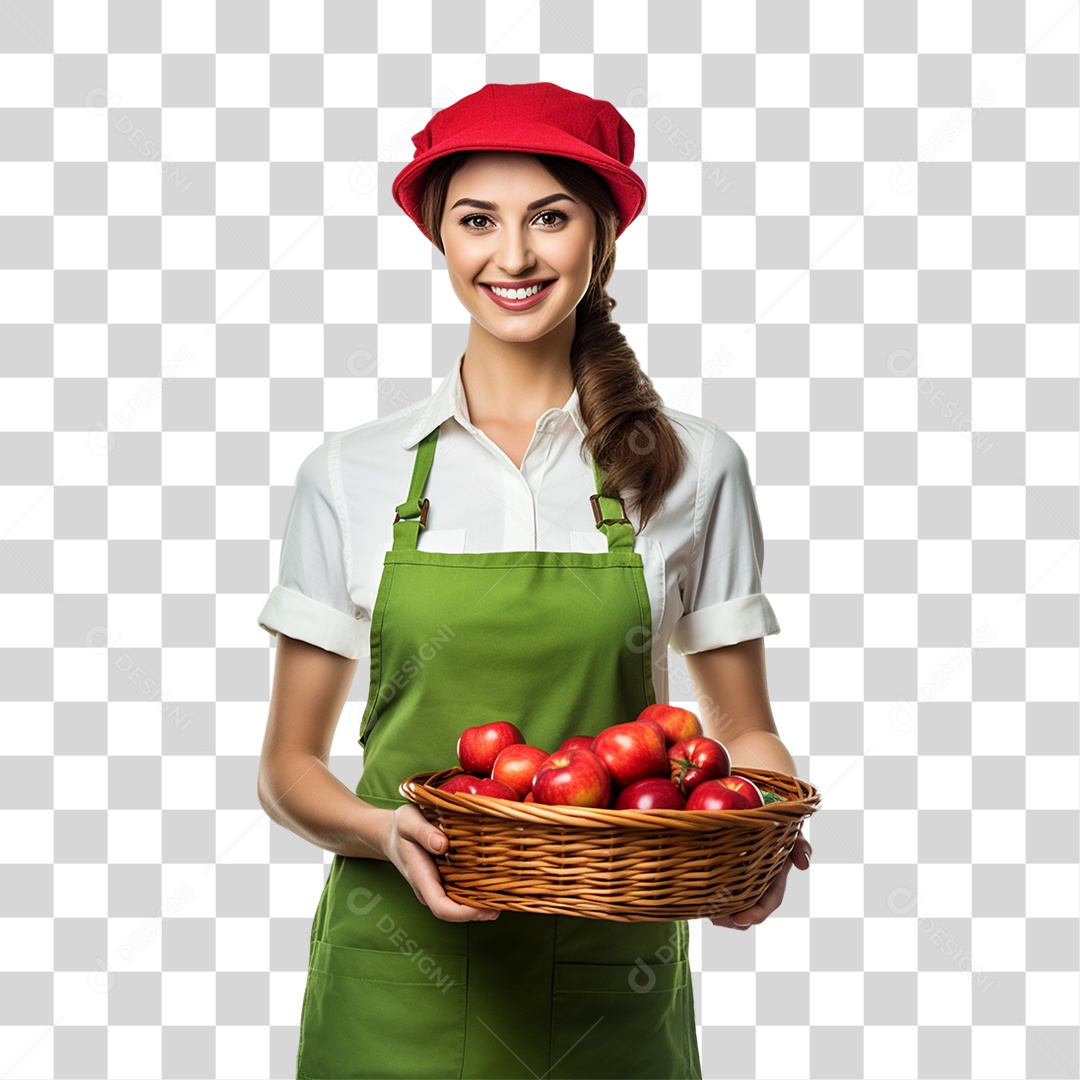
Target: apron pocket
(376,1013)
(622,1020)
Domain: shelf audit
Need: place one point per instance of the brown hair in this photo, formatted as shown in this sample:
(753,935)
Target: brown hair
(629,436)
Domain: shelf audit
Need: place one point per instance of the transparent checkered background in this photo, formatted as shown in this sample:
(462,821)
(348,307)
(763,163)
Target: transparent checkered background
(859,256)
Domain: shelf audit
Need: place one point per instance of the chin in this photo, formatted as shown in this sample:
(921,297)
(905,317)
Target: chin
(515,329)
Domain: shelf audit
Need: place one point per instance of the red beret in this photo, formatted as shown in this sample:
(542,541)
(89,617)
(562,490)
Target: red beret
(538,118)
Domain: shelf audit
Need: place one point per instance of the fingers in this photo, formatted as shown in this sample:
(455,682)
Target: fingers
(766,905)
(774,895)
(412,825)
(429,891)
(800,854)
(418,841)
(727,923)
(751,916)
(450,911)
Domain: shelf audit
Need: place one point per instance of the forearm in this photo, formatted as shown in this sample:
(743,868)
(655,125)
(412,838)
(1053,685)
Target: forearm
(760,750)
(301,794)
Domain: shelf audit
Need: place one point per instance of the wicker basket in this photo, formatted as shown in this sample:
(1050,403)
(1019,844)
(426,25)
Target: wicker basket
(624,865)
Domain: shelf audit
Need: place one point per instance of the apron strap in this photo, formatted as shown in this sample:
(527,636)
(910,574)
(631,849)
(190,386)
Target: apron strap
(611,516)
(411,515)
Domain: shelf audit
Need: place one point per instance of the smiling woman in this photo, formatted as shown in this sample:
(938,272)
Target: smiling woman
(548,431)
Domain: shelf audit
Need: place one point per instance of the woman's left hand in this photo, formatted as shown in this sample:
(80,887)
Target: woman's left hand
(771,898)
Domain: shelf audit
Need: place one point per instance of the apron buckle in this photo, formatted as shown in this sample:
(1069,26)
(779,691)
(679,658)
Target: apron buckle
(595,500)
(423,514)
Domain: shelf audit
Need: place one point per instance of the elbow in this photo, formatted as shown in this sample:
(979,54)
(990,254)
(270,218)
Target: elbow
(280,770)
(264,789)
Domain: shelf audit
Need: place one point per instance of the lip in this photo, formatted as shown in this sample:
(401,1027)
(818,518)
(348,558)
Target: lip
(518,305)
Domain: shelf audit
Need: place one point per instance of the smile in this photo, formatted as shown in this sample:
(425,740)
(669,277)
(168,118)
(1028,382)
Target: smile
(518,299)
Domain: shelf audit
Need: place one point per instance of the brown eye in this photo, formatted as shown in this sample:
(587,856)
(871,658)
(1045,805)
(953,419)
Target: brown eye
(473,217)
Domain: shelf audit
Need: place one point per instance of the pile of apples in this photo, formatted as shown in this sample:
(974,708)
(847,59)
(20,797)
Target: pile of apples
(661,760)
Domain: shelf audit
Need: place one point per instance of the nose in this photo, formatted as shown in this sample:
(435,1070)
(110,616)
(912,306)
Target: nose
(514,255)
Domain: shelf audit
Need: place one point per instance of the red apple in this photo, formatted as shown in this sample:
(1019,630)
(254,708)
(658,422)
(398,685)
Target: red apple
(695,760)
(677,723)
(496,789)
(652,793)
(578,742)
(516,766)
(581,780)
(632,751)
(746,788)
(529,798)
(462,783)
(478,747)
(558,760)
(716,795)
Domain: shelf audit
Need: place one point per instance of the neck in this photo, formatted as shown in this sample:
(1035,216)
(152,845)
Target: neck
(513,383)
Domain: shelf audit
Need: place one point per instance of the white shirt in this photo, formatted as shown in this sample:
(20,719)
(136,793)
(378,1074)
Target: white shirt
(703,551)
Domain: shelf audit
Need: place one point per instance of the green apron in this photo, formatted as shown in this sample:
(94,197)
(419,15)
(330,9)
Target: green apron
(559,643)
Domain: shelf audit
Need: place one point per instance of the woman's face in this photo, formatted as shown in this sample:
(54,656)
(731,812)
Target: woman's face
(494,234)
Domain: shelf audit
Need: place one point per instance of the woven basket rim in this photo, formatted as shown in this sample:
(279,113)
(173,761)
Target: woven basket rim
(422,788)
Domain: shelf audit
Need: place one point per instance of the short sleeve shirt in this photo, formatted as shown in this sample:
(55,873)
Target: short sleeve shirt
(703,550)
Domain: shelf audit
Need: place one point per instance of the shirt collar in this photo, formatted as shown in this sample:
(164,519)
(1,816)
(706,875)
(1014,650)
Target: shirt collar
(449,401)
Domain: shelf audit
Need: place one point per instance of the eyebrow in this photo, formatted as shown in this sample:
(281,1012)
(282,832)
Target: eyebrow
(494,206)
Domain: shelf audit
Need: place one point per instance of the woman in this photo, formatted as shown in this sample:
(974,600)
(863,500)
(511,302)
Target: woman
(485,582)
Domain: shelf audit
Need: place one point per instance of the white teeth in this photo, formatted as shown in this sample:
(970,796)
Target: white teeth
(515,294)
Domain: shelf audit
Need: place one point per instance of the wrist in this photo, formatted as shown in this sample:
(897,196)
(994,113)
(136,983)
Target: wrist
(373,827)
(761,750)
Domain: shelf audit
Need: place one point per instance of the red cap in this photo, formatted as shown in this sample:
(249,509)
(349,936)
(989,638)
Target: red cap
(538,118)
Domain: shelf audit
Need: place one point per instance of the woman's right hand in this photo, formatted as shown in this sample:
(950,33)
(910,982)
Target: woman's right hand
(409,843)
